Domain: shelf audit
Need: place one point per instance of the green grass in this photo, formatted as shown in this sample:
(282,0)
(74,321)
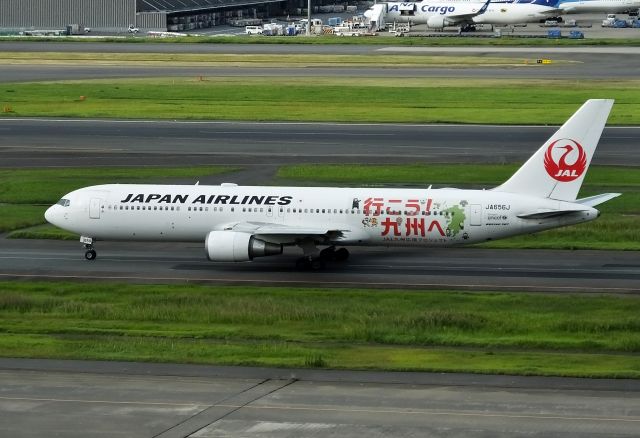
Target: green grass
(347,328)
(42,232)
(477,174)
(25,194)
(414,100)
(20,216)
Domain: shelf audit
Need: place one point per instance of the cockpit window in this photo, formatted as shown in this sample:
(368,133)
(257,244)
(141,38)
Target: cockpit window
(64,202)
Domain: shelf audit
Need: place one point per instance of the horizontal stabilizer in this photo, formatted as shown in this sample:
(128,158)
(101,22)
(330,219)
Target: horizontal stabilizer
(544,214)
(592,201)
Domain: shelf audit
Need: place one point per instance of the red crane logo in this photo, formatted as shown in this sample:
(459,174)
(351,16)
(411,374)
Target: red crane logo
(560,170)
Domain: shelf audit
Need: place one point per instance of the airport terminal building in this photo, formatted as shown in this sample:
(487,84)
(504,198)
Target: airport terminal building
(118,15)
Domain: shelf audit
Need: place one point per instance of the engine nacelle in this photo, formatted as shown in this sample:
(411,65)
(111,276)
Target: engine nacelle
(232,246)
(436,22)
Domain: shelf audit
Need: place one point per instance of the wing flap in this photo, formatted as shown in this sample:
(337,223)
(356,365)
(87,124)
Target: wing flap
(268,228)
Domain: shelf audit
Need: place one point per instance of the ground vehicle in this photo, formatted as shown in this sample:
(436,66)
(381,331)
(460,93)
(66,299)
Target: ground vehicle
(133,29)
(253,30)
(346,30)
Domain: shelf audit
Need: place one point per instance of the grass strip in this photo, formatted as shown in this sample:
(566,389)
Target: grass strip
(25,194)
(570,335)
(324,99)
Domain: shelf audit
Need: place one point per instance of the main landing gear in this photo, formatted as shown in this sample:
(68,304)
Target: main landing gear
(316,261)
(90,253)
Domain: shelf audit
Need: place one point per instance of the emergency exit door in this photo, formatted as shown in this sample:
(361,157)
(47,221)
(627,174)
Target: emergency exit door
(475,214)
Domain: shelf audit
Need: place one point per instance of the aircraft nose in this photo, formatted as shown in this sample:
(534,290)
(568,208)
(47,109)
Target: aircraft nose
(49,215)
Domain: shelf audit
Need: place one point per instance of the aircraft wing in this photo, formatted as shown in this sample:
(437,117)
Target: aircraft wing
(469,15)
(289,234)
(269,228)
(554,12)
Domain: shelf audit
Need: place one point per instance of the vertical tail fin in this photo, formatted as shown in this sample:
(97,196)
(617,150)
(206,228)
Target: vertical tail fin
(558,168)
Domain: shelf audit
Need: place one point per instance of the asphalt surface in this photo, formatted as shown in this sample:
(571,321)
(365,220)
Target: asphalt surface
(591,62)
(63,142)
(96,399)
(451,268)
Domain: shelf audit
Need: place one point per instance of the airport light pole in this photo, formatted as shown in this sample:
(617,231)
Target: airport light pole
(308,17)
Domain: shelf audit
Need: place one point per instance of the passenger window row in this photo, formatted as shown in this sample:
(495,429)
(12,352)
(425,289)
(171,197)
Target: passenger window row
(261,210)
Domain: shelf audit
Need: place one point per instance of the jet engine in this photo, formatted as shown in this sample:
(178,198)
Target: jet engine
(436,22)
(233,246)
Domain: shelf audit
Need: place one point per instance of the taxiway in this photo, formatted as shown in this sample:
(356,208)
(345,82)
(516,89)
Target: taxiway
(162,400)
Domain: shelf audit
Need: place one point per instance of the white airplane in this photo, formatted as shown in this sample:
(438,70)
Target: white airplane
(605,6)
(237,224)
(523,11)
(460,12)
(434,15)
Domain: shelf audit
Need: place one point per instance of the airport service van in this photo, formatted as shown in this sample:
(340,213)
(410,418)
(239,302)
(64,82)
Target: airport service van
(253,30)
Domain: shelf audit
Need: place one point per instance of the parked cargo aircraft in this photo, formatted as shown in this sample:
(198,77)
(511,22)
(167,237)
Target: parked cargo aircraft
(434,15)
(605,6)
(237,223)
(460,12)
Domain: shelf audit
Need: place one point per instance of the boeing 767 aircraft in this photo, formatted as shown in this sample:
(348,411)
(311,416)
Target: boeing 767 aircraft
(237,224)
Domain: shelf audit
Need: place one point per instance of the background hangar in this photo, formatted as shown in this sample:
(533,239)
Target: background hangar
(118,15)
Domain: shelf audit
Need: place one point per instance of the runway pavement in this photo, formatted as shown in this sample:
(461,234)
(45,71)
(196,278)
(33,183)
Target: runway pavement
(65,142)
(106,399)
(582,62)
(450,268)
(584,67)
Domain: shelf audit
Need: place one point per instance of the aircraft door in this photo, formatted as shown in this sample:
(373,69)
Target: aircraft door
(475,214)
(94,208)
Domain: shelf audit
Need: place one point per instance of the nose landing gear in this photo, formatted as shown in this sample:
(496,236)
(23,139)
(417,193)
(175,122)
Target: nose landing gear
(90,253)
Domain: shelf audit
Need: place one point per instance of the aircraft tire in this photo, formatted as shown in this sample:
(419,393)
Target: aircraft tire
(328,253)
(90,254)
(303,264)
(341,255)
(317,264)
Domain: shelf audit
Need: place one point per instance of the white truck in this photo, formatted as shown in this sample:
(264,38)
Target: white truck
(253,30)
(346,31)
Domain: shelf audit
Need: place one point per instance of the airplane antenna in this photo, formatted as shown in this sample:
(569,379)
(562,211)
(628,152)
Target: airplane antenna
(197,183)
